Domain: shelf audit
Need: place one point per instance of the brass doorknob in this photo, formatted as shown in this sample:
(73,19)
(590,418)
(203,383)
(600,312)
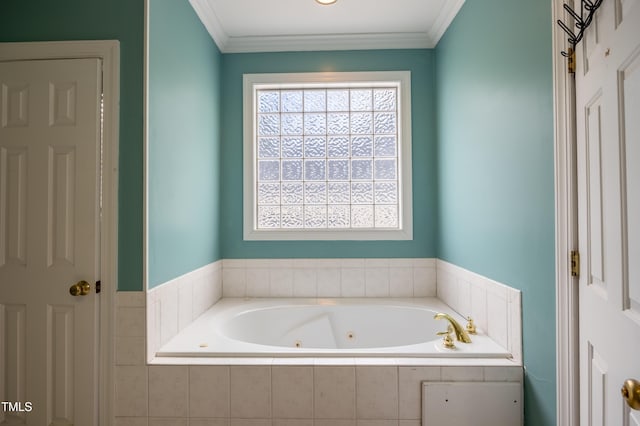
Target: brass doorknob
(81,288)
(631,393)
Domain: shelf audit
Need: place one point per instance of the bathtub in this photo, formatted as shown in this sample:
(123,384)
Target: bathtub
(325,328)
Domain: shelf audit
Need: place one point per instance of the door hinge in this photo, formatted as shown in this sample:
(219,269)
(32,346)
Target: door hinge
(571,61)
(575,263)
(98,286)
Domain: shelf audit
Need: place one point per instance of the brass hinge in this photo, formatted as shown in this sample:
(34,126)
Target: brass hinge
(571,61)
(575,263)
(98,286)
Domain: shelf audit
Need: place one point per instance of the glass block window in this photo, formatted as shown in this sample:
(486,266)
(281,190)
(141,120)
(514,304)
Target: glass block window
(326,157)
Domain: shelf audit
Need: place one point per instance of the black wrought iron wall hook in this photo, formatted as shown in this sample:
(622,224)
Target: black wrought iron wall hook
(582,21)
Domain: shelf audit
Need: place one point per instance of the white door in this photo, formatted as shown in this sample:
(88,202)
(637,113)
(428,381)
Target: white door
(49,215)
(608,135)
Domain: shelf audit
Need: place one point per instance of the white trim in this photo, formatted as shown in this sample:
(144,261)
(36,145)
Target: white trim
(109,52)
(211,22)
(297,43)
(315,42)
(567,367)
(446,17)
(145,152)
(322,79)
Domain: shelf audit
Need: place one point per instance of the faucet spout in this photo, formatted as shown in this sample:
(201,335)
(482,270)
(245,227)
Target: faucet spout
(461,334)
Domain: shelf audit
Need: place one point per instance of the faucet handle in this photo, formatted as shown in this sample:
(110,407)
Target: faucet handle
(470,327)
(447,341)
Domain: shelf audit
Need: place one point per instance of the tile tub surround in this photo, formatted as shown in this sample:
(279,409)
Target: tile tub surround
(281,392)
(175,304)
(329,277)
(306,391)
(495,308)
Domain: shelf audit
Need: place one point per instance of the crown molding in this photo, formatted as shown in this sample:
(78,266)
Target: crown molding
(303,42)
(319,42)
(211,22)
(448,13)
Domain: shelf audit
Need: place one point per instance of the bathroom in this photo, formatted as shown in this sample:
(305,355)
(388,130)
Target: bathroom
(482,168)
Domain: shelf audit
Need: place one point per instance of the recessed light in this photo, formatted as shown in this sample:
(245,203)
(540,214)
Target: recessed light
(326,2)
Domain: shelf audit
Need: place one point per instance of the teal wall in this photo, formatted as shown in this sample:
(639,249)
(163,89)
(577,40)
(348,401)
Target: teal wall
(184,142)
(422,66)
(123,20)
(483,183)
(495,168)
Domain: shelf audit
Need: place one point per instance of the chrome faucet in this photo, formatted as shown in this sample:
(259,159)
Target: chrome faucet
(461,334)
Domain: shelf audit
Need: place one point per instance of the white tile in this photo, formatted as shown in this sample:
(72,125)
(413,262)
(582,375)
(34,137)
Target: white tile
(377,282)
(371,422)
(258,282)
(203,295)
(185,303)
(401,282)
(424,282)
(168,318)
(401,263)
(410,389)
(158,421)
(352,263)
(497,319)
(377,392)
(409,423)
(250,422)
(131,299)
(305,263)
(479,306)
(234,282)
(293,361)
(292,389)
(446,288)
(261,263)
(333,422)
(250,392)
(131,391)
(327,263)
(153,329)
(131,421)
(462,374)
(209,391)
(233,263)
(352,282)
(329,282)
(281,282)
(330,361)
(168,391)
(130,350)
(425,262)
(503,374)
(130,322)
(464,298)
(304,282)
(292,422)
(334,392)
(208,422)
(376,263)
(280,263)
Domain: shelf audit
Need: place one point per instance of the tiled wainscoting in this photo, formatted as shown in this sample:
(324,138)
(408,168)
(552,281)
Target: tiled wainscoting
(176,303)
(329,278)
(494,307)
(299,392)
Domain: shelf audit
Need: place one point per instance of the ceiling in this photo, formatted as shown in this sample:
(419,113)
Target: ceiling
(290,25)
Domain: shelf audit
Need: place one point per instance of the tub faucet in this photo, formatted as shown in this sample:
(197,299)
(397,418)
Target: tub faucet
(461,335)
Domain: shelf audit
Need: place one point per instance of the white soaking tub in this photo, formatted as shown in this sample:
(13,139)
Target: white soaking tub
(325,328)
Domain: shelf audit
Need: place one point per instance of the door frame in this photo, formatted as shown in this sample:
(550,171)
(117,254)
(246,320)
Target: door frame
(109,52)
(566,224)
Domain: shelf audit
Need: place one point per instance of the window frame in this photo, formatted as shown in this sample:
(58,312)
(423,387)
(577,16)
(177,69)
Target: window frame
(253,82)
